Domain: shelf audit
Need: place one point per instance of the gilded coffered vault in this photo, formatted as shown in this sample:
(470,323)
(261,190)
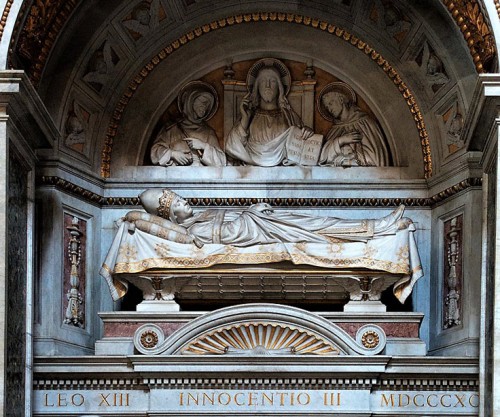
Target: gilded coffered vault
(43,20)
(40,25)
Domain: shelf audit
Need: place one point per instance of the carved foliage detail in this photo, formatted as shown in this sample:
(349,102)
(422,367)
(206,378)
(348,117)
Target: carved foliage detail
(476,31)
(74,271)
(452,272)
(44,22)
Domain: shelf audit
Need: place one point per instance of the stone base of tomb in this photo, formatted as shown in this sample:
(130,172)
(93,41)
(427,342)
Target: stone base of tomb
(401,328)
(143,386)
(264,359)
(361,289)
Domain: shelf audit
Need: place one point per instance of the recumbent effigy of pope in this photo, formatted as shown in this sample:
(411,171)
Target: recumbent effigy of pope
(160,248)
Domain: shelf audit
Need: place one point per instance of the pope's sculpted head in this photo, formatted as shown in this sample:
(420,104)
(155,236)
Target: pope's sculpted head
(181,211)
(167,204)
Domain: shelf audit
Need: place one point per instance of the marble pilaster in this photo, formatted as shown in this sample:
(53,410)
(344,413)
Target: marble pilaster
(19,140)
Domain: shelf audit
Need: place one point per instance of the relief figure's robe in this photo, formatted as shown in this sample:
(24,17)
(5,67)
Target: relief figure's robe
(370,152)
(172,139)
(264,143)
(253,227)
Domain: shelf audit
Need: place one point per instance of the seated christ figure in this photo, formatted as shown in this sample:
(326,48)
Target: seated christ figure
(261,134)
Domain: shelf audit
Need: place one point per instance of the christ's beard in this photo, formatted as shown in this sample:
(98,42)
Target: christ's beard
(268,96)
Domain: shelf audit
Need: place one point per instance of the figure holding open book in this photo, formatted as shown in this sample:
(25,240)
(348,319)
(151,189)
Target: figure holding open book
(355,138)
(269,132)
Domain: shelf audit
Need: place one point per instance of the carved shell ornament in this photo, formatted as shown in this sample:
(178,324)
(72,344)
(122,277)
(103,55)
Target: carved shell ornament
(260,339)
(259,330)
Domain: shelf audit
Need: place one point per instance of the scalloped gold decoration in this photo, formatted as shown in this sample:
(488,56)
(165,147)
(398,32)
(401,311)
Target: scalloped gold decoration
(475,29)
(260,337)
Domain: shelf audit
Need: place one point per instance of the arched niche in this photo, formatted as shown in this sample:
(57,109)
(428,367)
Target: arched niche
(215,50)
(233,76)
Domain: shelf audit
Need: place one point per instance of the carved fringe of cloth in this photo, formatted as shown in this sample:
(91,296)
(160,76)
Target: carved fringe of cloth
(137,252)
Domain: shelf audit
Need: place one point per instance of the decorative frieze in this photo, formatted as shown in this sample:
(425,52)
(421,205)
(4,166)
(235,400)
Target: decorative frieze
(100,201)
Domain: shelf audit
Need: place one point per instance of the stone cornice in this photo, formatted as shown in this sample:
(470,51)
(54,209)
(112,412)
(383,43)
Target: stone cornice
(137,372)
(101,201)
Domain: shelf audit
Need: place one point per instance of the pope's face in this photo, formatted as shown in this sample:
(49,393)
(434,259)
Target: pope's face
(268,85)
(333,103)
(182,210)
(201,106)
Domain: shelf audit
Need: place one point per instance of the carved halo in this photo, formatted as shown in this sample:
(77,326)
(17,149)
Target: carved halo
(286,78)
(337,86)
(201,86)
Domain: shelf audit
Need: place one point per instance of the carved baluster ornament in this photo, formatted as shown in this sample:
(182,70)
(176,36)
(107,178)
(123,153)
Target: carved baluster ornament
(74,313)
(453,276)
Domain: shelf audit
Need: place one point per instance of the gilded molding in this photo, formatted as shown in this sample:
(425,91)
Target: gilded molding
(42,26)
(63,185)
(256,17)
(475,29)
(5,15)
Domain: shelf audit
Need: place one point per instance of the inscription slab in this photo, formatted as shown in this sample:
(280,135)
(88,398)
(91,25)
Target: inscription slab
(244,401)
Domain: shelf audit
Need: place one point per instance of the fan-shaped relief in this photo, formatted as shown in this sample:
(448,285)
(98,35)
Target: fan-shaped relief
(253,331)
(261,339)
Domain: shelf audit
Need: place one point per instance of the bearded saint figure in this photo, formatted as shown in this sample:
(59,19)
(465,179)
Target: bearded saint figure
(261,134)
